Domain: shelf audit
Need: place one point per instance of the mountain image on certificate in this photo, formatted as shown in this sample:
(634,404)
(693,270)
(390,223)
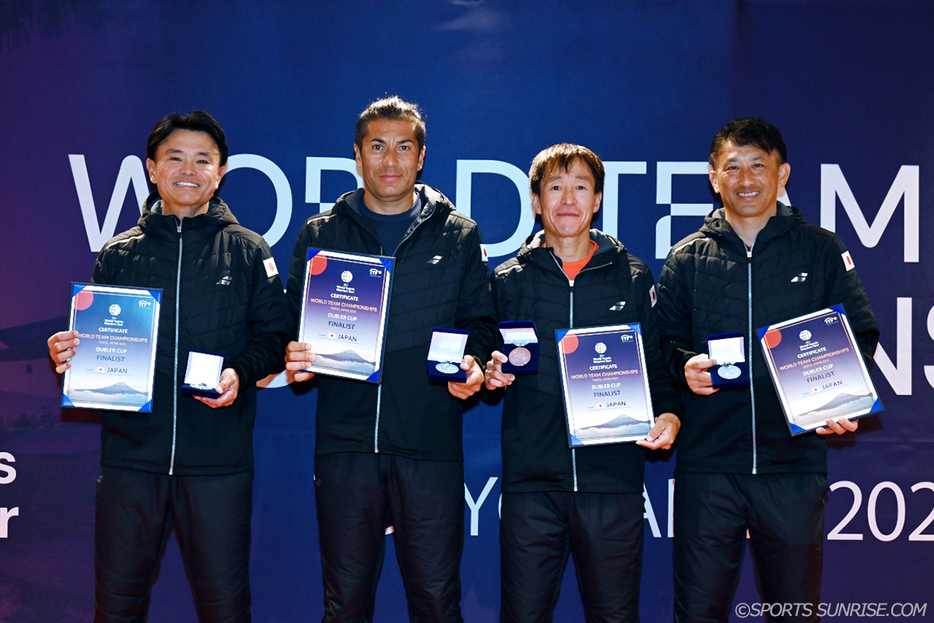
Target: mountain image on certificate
(344,312)
(604,384)
(116,394)
(349,361)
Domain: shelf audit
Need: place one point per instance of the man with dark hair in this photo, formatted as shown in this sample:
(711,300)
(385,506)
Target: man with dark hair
(392,108)
(197,121)
(392,454)
(187,465)
(755,262)
(587,501)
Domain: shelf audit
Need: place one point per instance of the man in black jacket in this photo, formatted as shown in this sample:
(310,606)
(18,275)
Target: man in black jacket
(754,263)
(187,465)
(392,454)
(588,500)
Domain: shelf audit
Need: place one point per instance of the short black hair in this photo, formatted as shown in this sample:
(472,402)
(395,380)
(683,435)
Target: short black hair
(195,121)
(749,131)
(396,109)
(561,156)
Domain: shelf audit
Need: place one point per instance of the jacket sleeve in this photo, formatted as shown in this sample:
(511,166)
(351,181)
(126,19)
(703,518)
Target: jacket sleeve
(475,301)
(665,394)
(675,322)
(268,320)
(845,287)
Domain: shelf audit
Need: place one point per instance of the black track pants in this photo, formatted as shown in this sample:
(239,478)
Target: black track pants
(602,531)
(357,497)
(784,514)
(211,517)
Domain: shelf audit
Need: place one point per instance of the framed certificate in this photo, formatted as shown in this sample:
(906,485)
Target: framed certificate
(605,384)
(114,365)
(818,370)
(345,306)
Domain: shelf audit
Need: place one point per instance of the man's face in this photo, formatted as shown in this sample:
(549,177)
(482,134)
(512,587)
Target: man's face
(567,201)
(186,171)
(389,162)
(748,179)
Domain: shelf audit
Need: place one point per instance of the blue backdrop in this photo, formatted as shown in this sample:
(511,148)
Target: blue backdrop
(645,84)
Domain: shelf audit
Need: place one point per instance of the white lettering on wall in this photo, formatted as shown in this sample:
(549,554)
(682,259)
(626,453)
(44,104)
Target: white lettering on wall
(5,515)
(906,184)
(663,177)
(7,475)
(904,189)
(131,170)
(313,168)
(611,192)
(649,514)
(475,506)
(465,171)
(279,182)
(899,376)
(7,472)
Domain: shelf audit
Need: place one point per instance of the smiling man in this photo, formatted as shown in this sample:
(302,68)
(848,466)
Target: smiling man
(188,465)
(754,262)
(392,454)
(557,500)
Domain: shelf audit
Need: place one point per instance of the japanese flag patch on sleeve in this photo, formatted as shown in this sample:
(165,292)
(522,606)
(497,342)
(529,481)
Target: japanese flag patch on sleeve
(270,265)
(848,261)
(484,254)
(652,296)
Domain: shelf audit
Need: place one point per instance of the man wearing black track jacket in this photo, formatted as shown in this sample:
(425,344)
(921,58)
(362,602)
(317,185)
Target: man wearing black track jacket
(392,454)
(585,501)
(754,263)
(188,465)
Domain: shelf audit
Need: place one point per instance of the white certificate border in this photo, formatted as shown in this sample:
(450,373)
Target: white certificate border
(155,295)
(615,330)
(795,428)
(387,263)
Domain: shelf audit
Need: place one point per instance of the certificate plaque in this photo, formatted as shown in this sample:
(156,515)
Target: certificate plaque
(114,364)
(818,370)
(345,306)
(605,384)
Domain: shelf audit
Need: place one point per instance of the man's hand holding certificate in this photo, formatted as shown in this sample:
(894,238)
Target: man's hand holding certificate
(345,307)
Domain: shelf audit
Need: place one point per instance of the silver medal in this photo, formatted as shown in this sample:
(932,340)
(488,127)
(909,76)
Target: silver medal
(520,356)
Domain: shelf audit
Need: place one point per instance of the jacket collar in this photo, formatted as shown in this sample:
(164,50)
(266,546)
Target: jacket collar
(153,221)
(533,250)
(786,218)
(433,201)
